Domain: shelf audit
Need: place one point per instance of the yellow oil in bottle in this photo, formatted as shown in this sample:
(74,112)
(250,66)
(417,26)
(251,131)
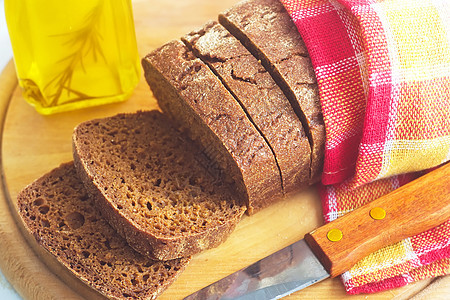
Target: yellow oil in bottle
(74,53)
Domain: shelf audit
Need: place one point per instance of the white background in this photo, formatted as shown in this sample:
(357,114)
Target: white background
(5,45)
(6,291)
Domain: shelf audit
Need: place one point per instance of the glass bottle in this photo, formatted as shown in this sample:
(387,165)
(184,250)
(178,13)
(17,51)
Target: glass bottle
(74,53)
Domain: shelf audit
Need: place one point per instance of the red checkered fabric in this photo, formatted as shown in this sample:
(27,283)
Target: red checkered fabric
(383,70)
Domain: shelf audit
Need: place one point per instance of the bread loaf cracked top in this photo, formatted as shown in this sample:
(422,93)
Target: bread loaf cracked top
(267,30)
(151,187)
(260,97)
(191,94)
(58,212)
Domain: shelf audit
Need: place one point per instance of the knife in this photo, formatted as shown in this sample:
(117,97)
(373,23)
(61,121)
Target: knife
(335,247)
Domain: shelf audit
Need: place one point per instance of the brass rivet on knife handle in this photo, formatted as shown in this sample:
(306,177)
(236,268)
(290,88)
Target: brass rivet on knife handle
(377,213)
(413,208)
(335,235)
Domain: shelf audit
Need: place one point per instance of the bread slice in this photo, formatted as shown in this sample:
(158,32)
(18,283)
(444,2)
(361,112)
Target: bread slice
(260,97)
(151,187)
(189,92)
(266,29)
(57,211)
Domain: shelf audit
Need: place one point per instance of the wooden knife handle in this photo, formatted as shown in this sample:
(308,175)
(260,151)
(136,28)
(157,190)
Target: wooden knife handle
(411,209)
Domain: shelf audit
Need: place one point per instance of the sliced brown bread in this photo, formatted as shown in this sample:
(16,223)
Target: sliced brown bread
(266,29)
(260,97)
(189,92)
(57,211)
(150,186)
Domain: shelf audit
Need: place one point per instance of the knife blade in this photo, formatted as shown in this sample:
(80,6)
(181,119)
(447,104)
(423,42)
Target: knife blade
(335,247)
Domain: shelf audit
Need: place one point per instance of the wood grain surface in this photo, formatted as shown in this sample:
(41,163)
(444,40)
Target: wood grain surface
(32,145)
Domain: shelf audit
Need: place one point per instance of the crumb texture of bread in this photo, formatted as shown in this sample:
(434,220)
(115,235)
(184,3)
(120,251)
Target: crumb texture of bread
(58,212)
(266,29)
(261,98)
(192,95)
(151,187)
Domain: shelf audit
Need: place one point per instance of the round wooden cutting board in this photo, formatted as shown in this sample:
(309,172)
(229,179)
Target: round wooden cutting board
(33,144)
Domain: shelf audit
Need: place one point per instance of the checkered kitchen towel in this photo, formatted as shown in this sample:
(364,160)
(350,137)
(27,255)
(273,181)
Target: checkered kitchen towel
(383,69)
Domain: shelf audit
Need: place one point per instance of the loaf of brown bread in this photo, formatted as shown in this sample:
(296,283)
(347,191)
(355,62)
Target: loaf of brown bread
(57,211)
(260,97)
(189,92)
(150,186)
(266,29)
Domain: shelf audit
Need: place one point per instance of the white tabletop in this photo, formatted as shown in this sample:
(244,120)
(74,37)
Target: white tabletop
(6,290)
(5,45)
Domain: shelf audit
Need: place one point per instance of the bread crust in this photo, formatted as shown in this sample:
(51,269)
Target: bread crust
(260,97)
(189,92)
(267,30)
